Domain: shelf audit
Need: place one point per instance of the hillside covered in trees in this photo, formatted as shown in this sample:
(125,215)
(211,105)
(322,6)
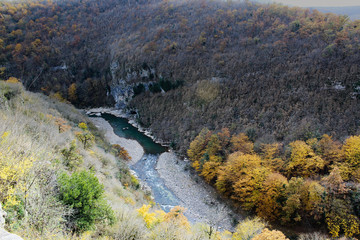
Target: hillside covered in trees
(311,184)
(276,72)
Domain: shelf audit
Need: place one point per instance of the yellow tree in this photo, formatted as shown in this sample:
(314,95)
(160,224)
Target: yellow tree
(270,154)
(224,137)
(313,200)
(14,166)
(295,193)
(303,160)
(241,178)
(248,229)
(72,93)
(85,136)
(241,142)
(210,168)
(151,218)
(267,234)
(269,205)
(176,216)
(338,216)
(197,148)
(329,150)
(351,150)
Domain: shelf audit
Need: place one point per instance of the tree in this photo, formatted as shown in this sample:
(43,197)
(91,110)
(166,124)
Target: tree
(270,154)
(197,148)
(303,161)
(72,158)
(176,216)
(248,229)
(62,124)
(12,80)
(351,149)
(210,168)
(224,137)
(83,192)
(270,203)
(241,142)
(241,178)
(338,216)
(14,166)
(329,150)
(85,136)
(121,152)
(293,206)
(313,201)
(72,93)
(267,234)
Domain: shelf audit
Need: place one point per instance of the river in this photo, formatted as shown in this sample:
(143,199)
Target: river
(168,177)
(146,168)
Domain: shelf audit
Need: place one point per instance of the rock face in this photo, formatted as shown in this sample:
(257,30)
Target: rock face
(4,235)
(2,217)
(125,78)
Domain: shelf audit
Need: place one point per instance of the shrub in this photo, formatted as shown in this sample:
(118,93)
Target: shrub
(72,159)
(85,136)
(83,192)
(121,152)
(248,229)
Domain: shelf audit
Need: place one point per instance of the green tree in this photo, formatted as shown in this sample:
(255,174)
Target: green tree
(83,192)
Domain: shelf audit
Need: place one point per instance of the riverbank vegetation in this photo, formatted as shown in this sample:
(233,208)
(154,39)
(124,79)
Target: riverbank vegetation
(309,183)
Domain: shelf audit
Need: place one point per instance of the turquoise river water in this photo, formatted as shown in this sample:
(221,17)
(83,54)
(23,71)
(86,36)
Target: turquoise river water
(146,167)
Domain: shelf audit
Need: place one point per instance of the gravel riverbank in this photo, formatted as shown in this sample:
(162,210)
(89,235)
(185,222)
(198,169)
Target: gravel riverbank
(200,200)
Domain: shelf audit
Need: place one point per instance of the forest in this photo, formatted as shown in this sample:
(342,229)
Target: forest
(309,183)
(281,73)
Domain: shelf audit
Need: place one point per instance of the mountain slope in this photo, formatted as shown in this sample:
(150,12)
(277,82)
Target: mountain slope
(273,71)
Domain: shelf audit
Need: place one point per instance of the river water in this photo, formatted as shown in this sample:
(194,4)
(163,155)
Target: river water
(146,167)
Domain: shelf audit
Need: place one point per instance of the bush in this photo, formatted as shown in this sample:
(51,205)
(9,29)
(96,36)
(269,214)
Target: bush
(249,228)
(83,192)
(72,158)
(85,136)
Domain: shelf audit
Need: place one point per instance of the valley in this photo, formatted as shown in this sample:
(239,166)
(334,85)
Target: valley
(169,178)
(208,120)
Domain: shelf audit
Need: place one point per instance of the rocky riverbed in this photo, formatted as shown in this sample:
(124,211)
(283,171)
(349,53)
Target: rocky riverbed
(200,199)
(201,202)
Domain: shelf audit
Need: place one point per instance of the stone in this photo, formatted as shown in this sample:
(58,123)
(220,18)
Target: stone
(5,235)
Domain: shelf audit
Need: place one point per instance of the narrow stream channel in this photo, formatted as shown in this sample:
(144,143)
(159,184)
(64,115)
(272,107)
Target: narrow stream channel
(145,168)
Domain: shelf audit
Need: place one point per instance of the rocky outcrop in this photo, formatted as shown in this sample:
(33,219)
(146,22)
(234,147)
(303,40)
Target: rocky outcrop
(124,79)
(5,235)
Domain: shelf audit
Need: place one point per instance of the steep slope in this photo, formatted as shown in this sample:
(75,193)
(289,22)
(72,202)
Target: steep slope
(272,71)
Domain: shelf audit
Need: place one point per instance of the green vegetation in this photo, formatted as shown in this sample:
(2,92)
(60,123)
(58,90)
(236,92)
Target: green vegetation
(85,195)
(315,182)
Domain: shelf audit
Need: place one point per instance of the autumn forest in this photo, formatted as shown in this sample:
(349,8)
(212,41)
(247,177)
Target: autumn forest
(262,98)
